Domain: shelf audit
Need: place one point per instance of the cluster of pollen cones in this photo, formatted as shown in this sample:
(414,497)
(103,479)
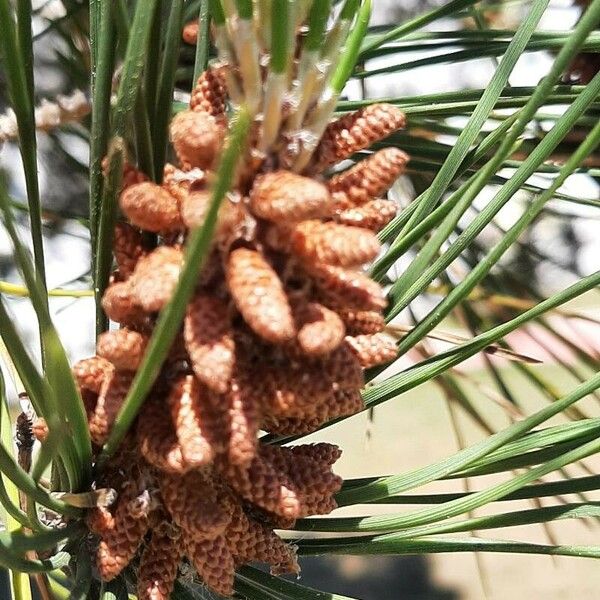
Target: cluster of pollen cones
(276,338)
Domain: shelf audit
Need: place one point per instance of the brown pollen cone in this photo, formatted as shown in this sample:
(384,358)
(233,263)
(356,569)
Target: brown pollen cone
(128,248)
(100,520)
(178,183)
(209,341)
(195,504)
(344,369)
(198,425)
(340,403)
(110,399)
(346,287)
(291,425)
(321,452)
(194,206)
(320,330)
(210,94)
(261,484)
(257,542)
(356,131)
(314,480)
(334,244)
(120,305)
(360,322)
(259,295)
(157,441)
(213,561)
(151,207)
(290,390)
(40,430)
(244,414)
(197,139)
(155,278)
(374,215)
(90,373)
(368,179)
(373,350)
(119,544)
(123,348)
(131,175)
(158,566)
(284,197)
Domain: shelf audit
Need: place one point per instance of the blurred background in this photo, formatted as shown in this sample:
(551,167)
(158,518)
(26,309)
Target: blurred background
(419,427)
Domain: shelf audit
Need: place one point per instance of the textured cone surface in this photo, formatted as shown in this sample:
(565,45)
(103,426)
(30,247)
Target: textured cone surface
(261,484)
(110,399)
(244,419)
(259,543)
(292,389)
(285,197)
(345,287)
(158,567)
(128,248)
(344,376)
(156,277)
(209,341)
(194,208)
(197,139)
(313,483)
(195,504)
(209,94)
(344,369)
(320,330)
(374,215)
(213,562)
(259,295)
(368,179)
(334,244)
(230,219)
(119,544)
(347,402)
(373,350)
(340,403)
(271,520)
(314,480)
(291,425)
(90,373)
(322,506)
(321,452)
(157,440)
(198,428)
(359,322)
(100,520)
(120,304)
(356,131)
(123,348)
(151,207)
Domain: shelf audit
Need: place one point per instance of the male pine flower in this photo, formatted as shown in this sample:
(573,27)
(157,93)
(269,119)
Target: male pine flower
(282,324)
